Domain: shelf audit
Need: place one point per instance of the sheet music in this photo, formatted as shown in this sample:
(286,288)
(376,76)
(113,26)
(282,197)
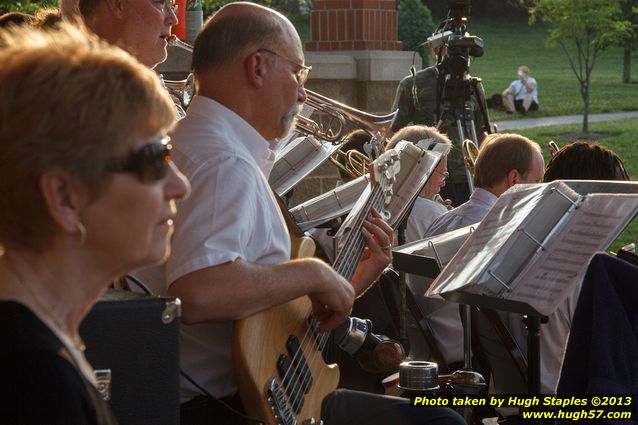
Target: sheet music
(539,251)
(332,204)
(298,159)
(416,168)
(446,245)
(492,243)
(555,271)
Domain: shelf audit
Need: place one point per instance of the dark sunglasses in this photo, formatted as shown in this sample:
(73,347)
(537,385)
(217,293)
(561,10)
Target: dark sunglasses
(149,163)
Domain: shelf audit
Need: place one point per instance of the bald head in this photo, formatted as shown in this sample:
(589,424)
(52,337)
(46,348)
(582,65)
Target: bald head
(237,28)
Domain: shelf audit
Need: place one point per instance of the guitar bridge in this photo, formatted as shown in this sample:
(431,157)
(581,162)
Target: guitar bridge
(281,408)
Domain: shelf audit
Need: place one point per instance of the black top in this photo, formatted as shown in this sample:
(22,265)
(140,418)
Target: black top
(38,385)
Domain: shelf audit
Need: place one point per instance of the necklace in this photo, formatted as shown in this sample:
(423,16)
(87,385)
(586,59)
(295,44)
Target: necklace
(48,312)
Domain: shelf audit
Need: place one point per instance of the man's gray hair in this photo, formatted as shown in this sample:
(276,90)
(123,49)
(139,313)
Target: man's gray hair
(224,38)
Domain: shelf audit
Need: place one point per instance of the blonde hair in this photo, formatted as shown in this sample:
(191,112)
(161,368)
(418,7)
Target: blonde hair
(69,101)
(523,68)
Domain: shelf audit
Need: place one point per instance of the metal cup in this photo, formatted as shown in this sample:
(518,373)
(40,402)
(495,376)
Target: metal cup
(418,376)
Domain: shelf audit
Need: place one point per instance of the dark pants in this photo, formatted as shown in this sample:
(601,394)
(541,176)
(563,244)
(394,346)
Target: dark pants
(203,410)
(341,407)
(347,407)
(518,104)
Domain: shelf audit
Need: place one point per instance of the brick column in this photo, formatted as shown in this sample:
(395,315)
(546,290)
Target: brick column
(347,25)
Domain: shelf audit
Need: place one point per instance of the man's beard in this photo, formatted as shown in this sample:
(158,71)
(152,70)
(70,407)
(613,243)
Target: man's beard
(288,121)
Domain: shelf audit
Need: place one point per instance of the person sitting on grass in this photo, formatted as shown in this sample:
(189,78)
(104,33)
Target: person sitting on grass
(522,94)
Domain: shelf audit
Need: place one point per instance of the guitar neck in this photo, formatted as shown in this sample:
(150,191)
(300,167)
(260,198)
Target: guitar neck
(347,260)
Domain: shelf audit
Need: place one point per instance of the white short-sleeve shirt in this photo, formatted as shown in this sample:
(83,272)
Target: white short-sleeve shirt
(520,90)
(230,214)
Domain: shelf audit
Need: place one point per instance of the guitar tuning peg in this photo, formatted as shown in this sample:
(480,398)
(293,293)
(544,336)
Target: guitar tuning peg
(385,214)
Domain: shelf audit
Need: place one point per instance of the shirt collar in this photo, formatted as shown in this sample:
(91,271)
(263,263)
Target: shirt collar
(483,196)
(244,135)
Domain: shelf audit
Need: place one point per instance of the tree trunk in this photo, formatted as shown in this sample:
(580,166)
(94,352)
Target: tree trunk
(626,65)
(584,92)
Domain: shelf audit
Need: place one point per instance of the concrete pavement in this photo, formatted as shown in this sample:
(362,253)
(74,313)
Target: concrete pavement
(561,120)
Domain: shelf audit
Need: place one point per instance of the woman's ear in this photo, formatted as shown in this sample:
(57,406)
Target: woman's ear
(115,7)
(62,198)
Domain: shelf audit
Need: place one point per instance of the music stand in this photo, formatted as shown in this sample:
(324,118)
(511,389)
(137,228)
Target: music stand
(532,324)
(298,159)
(531,250)
(429,267)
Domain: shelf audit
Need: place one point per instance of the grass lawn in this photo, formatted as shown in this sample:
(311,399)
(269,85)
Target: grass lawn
(620,136)
(510,44)
(513,43)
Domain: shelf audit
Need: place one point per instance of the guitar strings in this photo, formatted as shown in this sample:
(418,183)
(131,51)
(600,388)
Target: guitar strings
(348,266)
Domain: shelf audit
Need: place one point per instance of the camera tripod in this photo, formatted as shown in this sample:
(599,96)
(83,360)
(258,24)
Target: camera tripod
(461,106)
(461,99)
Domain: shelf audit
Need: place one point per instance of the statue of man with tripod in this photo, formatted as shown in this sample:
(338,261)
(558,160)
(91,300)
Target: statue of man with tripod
(446,96)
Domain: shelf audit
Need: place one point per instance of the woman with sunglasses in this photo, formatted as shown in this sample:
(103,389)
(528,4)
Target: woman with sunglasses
(87,193)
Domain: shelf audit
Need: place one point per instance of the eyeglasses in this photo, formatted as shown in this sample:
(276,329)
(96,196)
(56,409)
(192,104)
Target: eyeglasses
(166,6)
(150,163)
(445,175)
(303,71)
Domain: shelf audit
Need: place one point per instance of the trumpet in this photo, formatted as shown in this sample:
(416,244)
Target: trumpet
(341,114)
(183,90)
(470,152)
(172,40)
(354,163)
(446,203)
(553,148)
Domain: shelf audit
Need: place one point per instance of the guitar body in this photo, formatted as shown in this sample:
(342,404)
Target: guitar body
(259,341)
(265,344)
(302,247)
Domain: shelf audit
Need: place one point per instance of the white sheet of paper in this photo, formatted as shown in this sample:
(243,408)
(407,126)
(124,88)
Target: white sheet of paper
(552,275)
(489,245)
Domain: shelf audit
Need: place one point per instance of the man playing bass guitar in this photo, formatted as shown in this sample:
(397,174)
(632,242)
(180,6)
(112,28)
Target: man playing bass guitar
(231,248)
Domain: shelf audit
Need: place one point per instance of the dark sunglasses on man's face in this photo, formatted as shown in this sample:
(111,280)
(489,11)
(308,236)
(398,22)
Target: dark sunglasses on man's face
(149,163)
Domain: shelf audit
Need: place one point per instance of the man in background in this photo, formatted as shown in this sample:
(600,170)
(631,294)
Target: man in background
(522,94)
(141,27)
(231,248)
(503,161)
(424,97)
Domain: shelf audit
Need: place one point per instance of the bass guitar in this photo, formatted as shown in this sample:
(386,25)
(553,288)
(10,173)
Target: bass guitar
(279,367)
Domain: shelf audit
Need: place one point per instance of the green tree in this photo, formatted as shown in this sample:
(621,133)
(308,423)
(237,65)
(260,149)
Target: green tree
(290,8)
(583,29)
(629,12)
(27,6)
(415,25)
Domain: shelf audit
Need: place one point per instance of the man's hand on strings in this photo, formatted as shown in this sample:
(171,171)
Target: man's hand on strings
(377,255)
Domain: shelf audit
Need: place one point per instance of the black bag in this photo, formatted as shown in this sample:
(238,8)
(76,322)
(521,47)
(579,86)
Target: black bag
(496,102)
(137,337)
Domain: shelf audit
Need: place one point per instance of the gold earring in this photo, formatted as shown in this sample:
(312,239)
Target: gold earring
(82,231)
